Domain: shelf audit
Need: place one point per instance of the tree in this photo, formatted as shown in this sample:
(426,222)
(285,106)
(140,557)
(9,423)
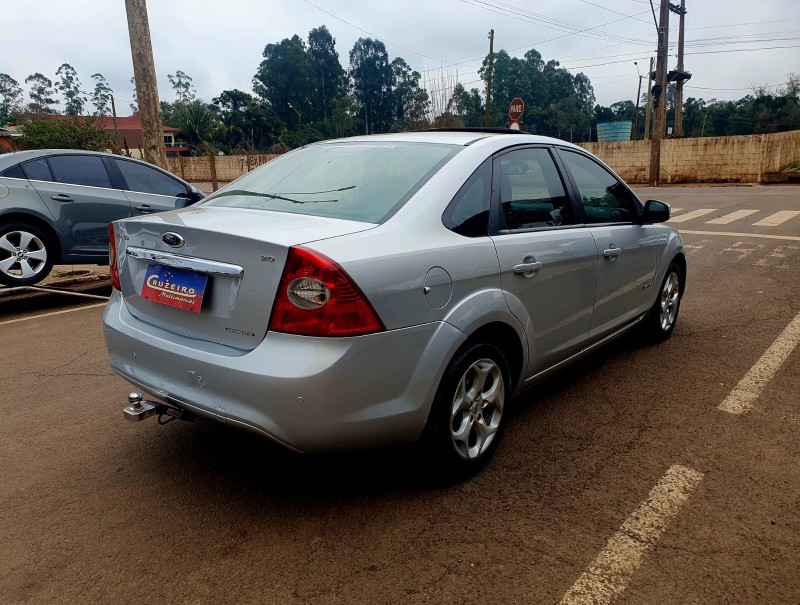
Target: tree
(372,78)
(74,133)
(244,122)
(410,101)
(10,97)
(70,87)
(196,121)
(330,80)
(101,96)
(182,85)
(41,94)
(285,79)
(467,105)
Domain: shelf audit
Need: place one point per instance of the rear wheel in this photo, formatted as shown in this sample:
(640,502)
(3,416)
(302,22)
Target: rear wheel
(469,411)
(26,255)
(663,315)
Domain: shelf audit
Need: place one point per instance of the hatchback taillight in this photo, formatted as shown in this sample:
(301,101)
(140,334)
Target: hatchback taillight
(316,297)
(113,268)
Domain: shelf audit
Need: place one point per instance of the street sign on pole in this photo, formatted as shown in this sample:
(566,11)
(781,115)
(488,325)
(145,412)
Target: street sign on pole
(516,109)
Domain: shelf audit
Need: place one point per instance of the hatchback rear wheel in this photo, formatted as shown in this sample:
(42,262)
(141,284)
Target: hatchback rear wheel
(26,255)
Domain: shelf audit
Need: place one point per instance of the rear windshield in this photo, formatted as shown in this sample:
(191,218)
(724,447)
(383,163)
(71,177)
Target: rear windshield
(363,182)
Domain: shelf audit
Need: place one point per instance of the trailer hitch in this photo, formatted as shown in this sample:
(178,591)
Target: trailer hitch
(138,409)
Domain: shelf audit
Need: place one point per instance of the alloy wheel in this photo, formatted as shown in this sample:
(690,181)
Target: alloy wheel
(23,255)
(477,409)
(670,298)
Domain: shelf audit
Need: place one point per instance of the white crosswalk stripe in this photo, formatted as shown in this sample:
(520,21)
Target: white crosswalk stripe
(729,218)
(691,215)
(777,219)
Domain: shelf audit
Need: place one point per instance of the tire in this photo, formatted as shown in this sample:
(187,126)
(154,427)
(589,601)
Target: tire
(663,315)
(27,254)
(460,437)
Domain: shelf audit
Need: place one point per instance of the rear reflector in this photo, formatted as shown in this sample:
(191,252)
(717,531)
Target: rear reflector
(113,268)
(317,297)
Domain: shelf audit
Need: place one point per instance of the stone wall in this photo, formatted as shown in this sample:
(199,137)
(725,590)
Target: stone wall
(703,160)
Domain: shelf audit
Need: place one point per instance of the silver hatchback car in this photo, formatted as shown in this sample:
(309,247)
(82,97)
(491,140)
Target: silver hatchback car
(387,289)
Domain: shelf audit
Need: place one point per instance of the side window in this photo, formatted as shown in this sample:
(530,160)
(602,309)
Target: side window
(37,170)
(604,198)
(14,172)
(531,192)
(468,213)
(148,180)
(86,170)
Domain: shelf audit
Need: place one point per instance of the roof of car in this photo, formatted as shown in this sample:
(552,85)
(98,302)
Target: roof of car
(466,136)
(9,159)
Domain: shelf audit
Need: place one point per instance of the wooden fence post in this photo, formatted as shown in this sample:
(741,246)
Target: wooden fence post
(212,163)
(183,170)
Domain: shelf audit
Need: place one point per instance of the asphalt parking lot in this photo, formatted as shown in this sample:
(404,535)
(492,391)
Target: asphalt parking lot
(645,474)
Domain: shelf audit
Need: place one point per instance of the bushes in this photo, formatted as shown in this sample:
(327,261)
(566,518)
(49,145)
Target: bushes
(64,133)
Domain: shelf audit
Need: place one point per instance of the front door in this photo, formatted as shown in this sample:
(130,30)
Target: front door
(548,264)
(81,198)
(627,249)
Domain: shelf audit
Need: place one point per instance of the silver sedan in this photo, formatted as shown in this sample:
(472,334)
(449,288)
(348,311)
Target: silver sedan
(387,289)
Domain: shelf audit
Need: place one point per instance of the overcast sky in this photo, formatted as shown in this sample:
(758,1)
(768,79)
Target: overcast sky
(220,44)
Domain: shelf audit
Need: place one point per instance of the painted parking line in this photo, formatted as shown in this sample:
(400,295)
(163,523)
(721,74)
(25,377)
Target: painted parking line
(13,321)
(791,238)
(729,218)
(777,219)
(609,574)
(691,215)
(743,396)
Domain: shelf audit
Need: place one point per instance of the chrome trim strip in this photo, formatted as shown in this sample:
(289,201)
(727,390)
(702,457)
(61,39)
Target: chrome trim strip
(179,261)
(587,350)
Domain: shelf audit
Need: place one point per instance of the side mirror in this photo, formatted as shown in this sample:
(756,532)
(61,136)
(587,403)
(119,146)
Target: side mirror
(656,211)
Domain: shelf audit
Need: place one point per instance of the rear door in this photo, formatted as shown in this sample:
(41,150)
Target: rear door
(548,262)
(149,189)
(627,249)
(78,191)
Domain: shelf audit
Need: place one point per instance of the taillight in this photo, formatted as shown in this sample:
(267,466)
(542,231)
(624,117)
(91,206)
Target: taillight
(113,269)
(316,297)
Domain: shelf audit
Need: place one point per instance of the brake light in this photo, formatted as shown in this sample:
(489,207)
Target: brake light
(113,269)
(316,297)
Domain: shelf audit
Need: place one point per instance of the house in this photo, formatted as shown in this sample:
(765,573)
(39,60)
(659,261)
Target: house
(7,136)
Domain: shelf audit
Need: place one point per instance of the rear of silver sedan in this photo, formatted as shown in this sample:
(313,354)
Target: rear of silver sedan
(227,311)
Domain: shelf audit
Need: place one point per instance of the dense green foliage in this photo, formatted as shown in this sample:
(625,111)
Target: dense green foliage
(64,133)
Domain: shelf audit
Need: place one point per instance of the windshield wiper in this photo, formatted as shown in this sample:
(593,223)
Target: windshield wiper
(272,196)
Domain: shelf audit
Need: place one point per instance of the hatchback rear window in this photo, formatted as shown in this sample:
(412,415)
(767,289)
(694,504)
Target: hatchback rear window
(364,182)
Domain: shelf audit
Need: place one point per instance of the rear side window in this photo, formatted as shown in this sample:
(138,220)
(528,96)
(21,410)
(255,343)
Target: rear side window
(149,180)
(531,192)
(604,198)
(80,170)
(468,213)
(15,172)
(37,170)
(355,181)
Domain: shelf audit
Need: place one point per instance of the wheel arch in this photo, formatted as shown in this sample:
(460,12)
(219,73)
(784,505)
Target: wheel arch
(505,338)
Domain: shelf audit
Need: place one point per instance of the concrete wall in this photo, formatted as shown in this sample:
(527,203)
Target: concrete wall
(747,158)
(229,167)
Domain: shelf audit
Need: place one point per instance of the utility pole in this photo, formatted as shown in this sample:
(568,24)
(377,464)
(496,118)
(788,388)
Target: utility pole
(681,78)
(649,101)
(638,96)
(144,71)
(487,119)
(660,95)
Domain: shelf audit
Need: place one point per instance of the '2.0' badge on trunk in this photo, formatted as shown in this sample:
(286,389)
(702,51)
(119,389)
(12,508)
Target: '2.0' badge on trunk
(174,287)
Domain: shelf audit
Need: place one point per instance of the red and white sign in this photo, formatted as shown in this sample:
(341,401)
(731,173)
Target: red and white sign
(514,125)
(516,109)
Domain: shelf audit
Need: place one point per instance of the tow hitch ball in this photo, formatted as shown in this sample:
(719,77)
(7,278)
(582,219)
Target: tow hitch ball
(139,409)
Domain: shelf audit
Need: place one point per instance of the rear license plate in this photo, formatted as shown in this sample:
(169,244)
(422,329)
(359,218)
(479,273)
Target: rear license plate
(174,287)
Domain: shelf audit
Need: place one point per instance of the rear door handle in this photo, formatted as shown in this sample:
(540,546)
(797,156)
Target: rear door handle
(612,253)
(145,208)
(61,197)
(528,269)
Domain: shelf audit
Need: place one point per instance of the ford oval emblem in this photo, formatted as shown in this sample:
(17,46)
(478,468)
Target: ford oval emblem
(173,239)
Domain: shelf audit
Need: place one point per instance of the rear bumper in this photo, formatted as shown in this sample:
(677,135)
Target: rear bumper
(309,394)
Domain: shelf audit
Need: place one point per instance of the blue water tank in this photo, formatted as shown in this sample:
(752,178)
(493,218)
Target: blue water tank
(614,131)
